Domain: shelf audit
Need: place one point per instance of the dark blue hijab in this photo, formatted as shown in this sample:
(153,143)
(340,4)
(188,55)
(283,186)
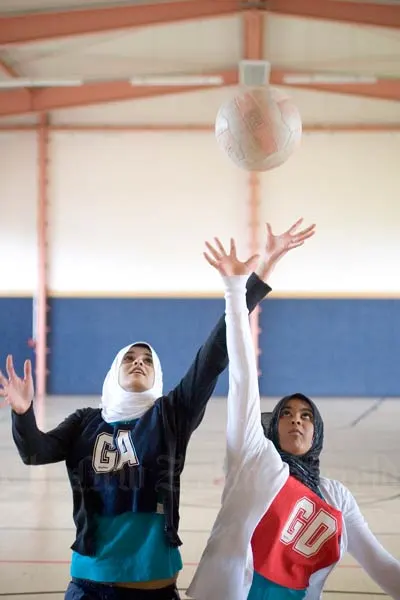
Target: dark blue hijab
(305,467)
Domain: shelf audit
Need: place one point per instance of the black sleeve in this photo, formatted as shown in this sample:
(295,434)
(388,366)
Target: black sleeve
(190,397)
(38,448)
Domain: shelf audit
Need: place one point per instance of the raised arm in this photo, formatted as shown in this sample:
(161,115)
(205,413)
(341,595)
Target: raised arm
(195,389)
(245,436)
(381,566)
(191,395)
(34,446)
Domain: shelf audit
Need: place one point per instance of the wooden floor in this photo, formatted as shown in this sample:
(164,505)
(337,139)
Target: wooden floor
(362,449)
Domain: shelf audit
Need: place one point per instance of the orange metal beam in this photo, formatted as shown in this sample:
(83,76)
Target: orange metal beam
(357,13)
(32,27)
(15,102)
(253,34)
(381,89)
(7,70)
(187,128)
(12,74)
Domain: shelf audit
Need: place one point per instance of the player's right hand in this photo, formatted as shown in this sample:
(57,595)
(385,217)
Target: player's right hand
(17,392)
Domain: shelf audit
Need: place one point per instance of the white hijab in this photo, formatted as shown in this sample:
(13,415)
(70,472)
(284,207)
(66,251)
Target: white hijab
(119,405)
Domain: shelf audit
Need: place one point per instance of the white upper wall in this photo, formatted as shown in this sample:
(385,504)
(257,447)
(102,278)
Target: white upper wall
(129,212)
(18,202)
(350,186)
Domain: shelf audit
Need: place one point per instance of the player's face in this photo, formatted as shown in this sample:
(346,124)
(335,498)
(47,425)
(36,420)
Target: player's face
(296,427)
(136,373)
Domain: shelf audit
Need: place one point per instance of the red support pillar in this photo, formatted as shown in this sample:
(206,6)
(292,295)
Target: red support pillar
(41,329)
(253,29)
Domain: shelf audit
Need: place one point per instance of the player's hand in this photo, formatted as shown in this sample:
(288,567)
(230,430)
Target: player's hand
(278,245)
(17,392)
(228,264)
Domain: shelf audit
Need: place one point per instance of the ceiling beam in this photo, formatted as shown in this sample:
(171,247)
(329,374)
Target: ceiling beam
(33,27)
(7,70)
(253,34)
(11,73)
(192,127)
(16,102)
(378,89)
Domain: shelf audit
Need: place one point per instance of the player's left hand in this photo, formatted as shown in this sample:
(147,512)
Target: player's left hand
(278,245)
(228,264)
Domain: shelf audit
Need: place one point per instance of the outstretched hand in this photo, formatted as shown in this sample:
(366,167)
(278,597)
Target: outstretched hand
(278,245)
(17,392)
(228,264)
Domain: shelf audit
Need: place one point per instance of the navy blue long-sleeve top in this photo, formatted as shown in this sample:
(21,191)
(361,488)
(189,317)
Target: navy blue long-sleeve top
(105,480)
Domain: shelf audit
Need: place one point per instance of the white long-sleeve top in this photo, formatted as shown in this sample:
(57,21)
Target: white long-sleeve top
(255,474)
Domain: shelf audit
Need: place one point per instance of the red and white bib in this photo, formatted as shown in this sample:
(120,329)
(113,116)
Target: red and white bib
(298,535)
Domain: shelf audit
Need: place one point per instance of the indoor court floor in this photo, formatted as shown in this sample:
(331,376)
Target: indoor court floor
(362,449)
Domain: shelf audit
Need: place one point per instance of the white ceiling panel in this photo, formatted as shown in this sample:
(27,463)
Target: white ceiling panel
(199,45)
(329,46)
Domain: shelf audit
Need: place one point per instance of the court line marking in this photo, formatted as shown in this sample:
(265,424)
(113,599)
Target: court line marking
(367,412)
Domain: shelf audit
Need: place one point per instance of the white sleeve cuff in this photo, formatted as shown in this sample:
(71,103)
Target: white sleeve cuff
(235,294)
(235,282)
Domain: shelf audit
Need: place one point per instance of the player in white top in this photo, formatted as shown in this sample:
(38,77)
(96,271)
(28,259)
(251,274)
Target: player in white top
(281,528)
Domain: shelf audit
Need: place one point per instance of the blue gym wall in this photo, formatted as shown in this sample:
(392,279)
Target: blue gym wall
(322,347)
